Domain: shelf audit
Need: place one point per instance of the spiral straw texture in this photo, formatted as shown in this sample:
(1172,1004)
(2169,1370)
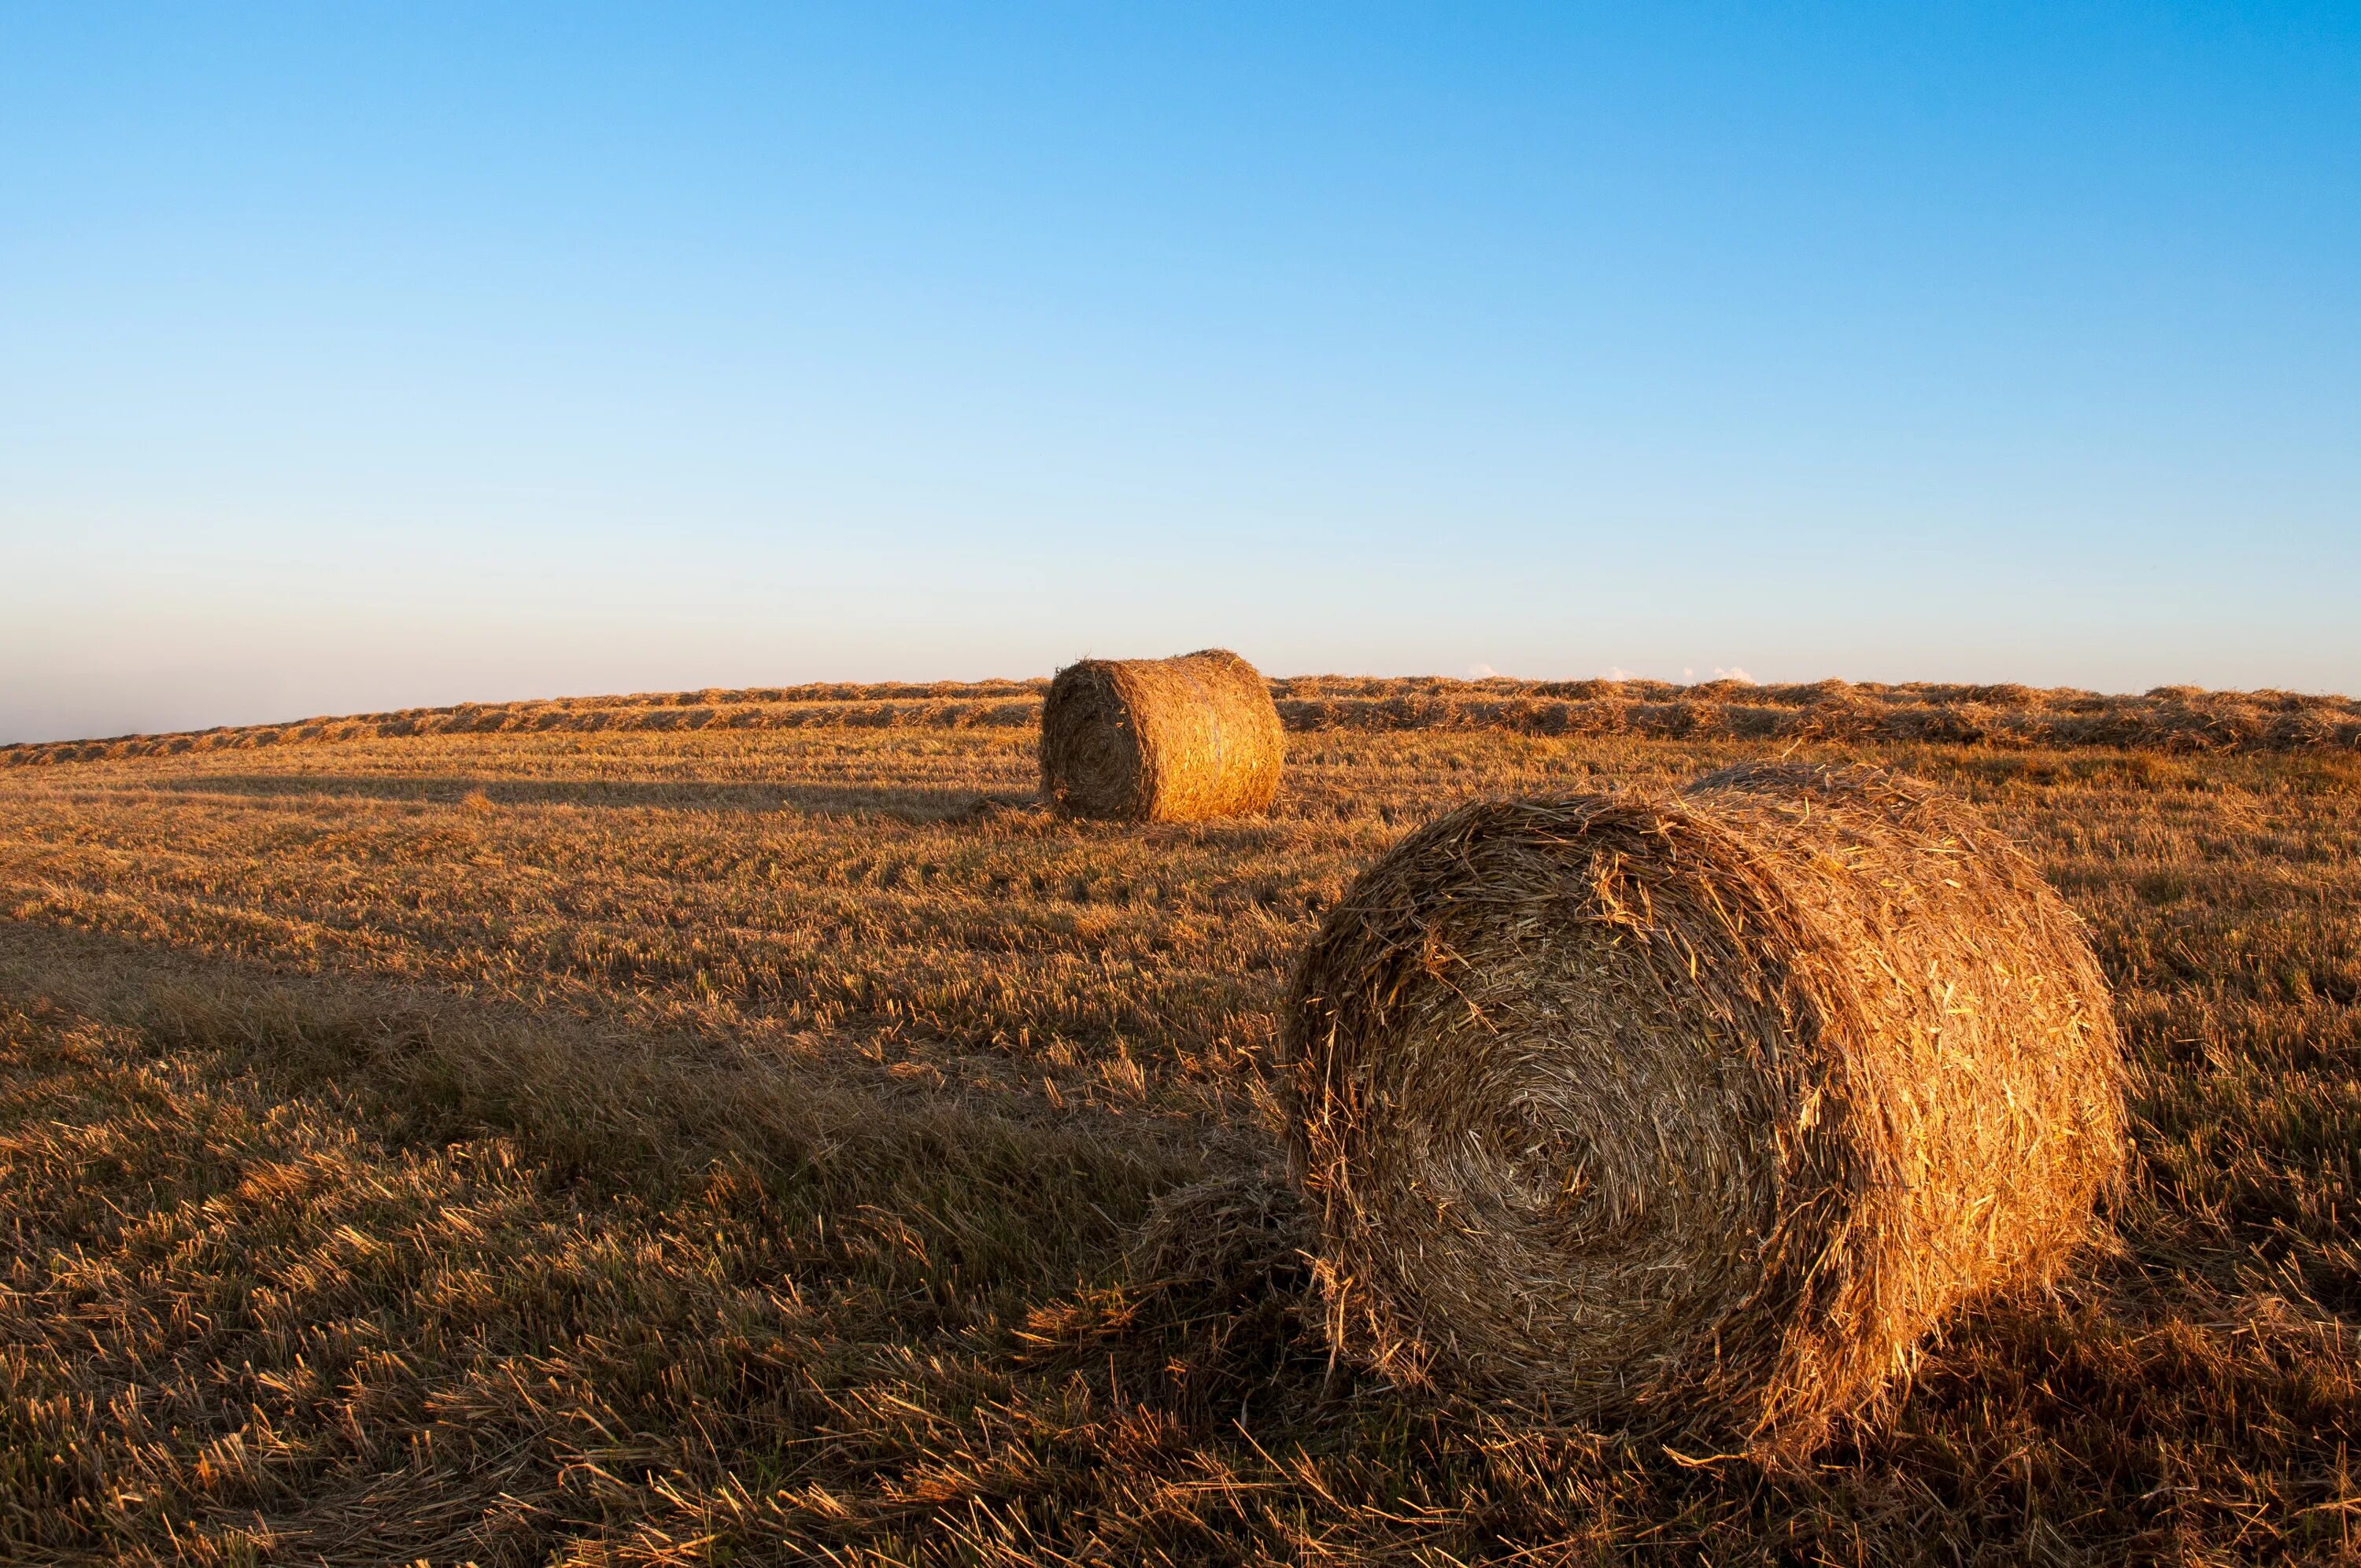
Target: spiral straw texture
(1695,1114)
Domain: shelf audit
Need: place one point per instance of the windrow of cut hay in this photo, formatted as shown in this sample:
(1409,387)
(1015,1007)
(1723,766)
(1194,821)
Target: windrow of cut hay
(592,715)
(1696,1111)
(1180,739)
(2169,719)
(2180,719)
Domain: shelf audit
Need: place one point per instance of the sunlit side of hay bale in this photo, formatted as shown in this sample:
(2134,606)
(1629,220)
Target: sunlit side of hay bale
(1695,1112)
(1181,739)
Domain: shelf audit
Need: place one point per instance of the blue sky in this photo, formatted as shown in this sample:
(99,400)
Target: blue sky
(357,355)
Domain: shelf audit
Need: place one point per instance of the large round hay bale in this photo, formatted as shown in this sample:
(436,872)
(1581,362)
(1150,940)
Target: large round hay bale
(1180,739)
(1694,1114)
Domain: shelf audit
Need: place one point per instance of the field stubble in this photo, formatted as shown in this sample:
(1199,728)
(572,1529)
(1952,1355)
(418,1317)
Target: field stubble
(647,1146)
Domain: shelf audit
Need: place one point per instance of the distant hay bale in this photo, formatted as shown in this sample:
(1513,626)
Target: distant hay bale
(1695,1112)
(1180,739)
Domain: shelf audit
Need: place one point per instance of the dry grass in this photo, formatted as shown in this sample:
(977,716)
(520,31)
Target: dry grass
(2012,717)
(735,1145)
(1691,1114)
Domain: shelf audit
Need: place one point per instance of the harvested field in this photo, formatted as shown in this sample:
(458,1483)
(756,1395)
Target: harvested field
(2007,717)
(527,1140)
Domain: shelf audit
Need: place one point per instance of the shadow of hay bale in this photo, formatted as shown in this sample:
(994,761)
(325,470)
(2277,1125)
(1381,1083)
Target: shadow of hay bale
(1216,1310)
(1225,1243)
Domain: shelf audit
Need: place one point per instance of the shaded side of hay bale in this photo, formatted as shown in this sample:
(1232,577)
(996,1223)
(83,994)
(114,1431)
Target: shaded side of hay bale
(1695,1112)
(1179,739)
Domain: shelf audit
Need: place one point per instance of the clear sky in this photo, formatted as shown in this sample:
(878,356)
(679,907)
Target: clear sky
(363,355)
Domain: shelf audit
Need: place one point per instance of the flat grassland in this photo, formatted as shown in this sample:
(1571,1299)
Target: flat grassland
(727,1143)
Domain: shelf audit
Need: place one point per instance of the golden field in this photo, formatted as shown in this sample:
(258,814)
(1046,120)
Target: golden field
(523,1138)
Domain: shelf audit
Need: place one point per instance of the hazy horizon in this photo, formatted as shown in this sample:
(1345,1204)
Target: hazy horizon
(396,357)
(282,714)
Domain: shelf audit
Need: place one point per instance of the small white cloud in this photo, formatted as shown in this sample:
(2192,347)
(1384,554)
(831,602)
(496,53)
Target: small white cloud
(1481,672)
(1615,672)
(1687,675)
(1733,674)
